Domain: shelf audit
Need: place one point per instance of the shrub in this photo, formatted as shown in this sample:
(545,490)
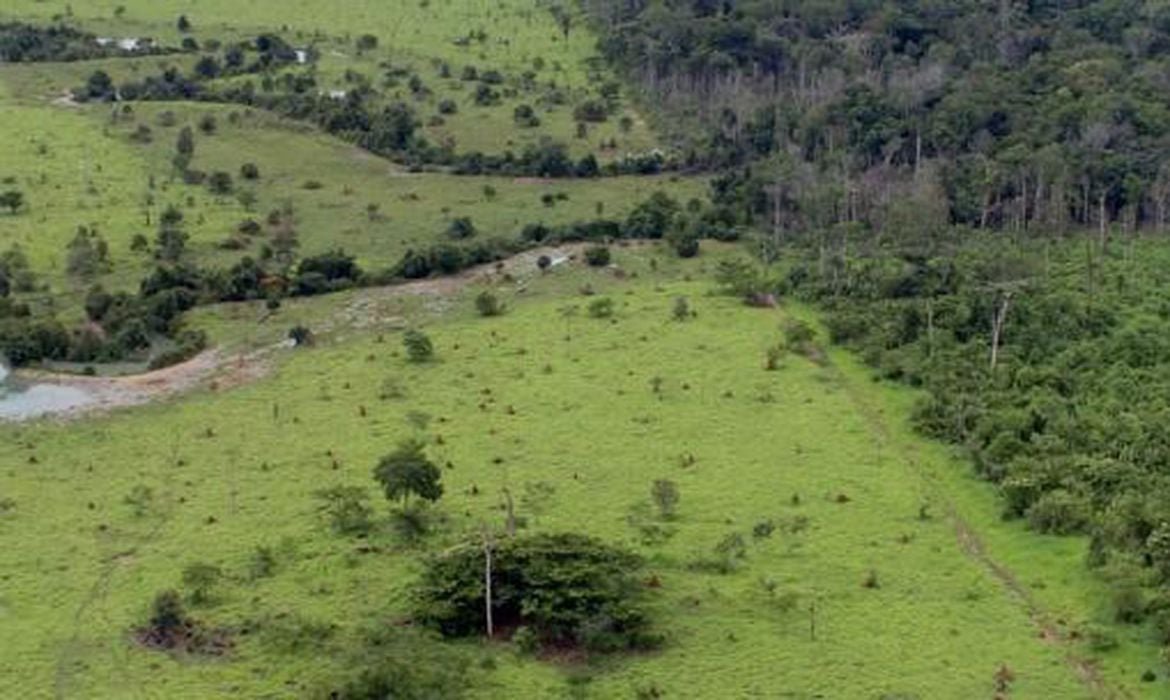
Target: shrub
(407,472)
(597,256)
(418,346)
(448,107)
(461,228)
(250,171)
(602,307)
(681,310)
(488,304)
(568,589)
(591,111)
(300,335)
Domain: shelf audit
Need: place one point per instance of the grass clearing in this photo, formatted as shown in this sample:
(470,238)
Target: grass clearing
(232,471)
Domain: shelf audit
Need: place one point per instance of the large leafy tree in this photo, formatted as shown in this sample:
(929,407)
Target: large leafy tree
(407,472)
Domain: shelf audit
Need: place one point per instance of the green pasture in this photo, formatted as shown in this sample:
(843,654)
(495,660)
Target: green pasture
(560,408)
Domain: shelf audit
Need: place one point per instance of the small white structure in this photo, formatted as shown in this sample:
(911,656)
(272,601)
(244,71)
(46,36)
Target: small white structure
(337,94)
(302,56)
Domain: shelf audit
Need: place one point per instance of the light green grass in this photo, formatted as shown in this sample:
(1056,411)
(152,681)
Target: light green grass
(90,173)
(591,428)
(411,34)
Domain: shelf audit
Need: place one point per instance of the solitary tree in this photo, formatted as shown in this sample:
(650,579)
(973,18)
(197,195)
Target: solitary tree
(406,471)
(12,200)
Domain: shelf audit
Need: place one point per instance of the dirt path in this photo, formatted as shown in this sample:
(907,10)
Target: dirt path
(220,370)
(972,546)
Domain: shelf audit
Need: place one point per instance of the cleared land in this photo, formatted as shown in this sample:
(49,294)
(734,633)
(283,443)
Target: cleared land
(796,447)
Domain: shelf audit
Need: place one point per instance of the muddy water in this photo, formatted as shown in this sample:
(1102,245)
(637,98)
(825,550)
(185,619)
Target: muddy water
(24,401)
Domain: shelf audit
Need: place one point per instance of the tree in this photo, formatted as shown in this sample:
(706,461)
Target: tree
(568,589)
(184,148)
(461,228)
(183,24)
(367,42)
(249,171)
(407,472)
(418,346)
(171,240)
(99,86)
(666,497)
(681,310)
(220,183)
(12,200)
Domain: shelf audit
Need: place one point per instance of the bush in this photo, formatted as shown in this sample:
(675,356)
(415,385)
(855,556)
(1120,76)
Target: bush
(488,304)
(597,256)
(602,307)
(249,171)
(448,107)
(461,228)
(568,589)
(418,346)
(300,335)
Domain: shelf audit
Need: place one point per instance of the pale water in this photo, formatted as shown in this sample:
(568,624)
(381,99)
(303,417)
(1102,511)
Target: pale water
(21,402)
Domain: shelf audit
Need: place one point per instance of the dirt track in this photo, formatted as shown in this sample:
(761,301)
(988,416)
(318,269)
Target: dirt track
(219,370)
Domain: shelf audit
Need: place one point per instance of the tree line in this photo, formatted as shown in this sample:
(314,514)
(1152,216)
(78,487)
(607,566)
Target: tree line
(1023,116)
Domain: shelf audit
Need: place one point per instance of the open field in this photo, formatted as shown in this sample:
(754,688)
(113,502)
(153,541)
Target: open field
(77,168)
(820,548)
(802,447)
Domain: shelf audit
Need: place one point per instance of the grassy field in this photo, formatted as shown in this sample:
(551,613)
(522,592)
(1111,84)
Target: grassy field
(882,569)
(79,167)
(512,38)
(559,408)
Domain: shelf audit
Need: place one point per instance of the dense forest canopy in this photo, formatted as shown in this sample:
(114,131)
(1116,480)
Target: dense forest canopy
(1016,114)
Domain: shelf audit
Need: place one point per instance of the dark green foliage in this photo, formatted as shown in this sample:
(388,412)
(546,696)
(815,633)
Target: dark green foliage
(300,335)
(979,115)
(488,304)
(461,228)
(407,472)
(392,662)
(220,183)
(418,346)
(12,200)
(250,171)
(27,43)
(568,589)
(597,255)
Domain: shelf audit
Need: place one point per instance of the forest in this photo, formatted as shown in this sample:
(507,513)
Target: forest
(1038,116)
